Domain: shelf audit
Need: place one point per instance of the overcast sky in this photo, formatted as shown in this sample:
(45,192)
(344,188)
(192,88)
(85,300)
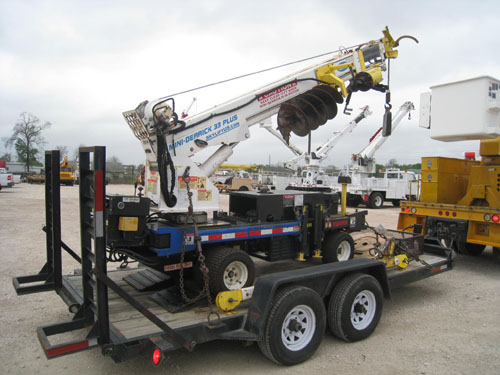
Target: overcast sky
(80,64)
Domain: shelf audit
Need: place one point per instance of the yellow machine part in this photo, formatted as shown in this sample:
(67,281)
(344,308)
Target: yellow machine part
(445,180)
(228,300)
(128,224)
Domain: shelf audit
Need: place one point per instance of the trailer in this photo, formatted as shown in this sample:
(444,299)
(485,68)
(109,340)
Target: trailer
(126,312)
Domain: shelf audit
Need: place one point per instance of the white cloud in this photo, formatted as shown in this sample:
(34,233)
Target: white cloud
(80,64)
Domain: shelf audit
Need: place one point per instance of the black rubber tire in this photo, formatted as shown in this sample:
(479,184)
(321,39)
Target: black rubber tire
(341,303)
(472,249)
(243,188)
(289,188)
(376,200)
(331,244)
(396,202)
(218,258)
(284,302)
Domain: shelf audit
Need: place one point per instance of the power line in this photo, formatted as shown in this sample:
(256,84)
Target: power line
(258,72)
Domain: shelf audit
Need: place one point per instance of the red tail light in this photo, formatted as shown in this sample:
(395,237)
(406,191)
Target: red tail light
(495,218)
(157,356)
(9,177)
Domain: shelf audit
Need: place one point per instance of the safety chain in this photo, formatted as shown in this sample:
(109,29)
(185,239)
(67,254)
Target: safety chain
(201,257)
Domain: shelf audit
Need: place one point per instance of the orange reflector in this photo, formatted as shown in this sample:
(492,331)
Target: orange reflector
(156,356)
(495,218)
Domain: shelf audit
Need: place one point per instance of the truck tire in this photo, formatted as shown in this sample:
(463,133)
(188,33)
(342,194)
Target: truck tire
(376,200)
(355,307)
(243,188)
(229,269)
(294,327)
(337,247)
(353,201)
(473,249)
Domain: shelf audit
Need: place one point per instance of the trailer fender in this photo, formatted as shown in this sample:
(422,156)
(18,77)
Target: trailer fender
(321,279)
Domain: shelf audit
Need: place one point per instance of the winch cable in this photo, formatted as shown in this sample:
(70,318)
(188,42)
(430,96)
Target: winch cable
(340,50)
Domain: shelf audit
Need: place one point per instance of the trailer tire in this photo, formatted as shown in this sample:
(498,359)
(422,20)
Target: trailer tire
(337,247)
(355,307)
(294,327)
(376,200)
(229,269)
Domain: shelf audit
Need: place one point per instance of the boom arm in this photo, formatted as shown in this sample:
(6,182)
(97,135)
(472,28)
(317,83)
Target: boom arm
(303,101)
(322,152)
(365,158)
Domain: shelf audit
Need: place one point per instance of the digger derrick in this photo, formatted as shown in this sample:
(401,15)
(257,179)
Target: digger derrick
(303,101)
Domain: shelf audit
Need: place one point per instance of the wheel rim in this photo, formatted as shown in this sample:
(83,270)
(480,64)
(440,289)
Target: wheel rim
(363,310)
(235,275)
(378,201)
(343,251)
(298,328)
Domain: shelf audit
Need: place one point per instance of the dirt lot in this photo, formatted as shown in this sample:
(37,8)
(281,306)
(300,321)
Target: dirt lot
(449,324)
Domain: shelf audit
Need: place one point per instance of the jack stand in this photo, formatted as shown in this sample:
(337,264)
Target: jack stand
(317,254)
(300,257)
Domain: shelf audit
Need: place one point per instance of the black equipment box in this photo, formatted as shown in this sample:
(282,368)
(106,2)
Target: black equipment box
(126,219)
(279,205)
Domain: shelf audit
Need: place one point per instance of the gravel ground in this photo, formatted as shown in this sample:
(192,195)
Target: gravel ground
(448,324)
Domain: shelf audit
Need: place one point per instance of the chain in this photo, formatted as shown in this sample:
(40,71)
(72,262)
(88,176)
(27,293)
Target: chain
(201,257)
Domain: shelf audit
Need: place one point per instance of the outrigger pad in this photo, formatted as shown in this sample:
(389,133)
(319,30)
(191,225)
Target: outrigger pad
(171,299)
(148,280)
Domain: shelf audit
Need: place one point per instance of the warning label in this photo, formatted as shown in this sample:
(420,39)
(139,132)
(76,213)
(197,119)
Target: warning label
(202,183)
(278,94)
(193,182)
(152,183)
(204,195)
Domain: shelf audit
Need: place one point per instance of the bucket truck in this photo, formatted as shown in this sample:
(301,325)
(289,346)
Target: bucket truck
(459,203)
(396,185)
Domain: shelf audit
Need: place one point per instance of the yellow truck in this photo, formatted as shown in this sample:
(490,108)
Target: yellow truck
(459,203)
(67,174)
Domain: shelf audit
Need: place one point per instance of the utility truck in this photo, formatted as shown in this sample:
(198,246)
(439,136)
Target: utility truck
(192,263)
(460,199)
(394,186)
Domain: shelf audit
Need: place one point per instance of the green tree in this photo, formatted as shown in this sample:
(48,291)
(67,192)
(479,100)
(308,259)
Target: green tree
(26,135)
(25,154)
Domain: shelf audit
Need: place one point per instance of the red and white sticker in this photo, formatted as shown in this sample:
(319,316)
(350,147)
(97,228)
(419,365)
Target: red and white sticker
(177,266)
(278,94)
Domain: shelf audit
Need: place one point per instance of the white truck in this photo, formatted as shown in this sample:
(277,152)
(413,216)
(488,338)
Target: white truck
(396,185)
(6,178)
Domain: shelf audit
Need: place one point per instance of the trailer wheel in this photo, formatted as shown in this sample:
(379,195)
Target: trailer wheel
(295,326)
(337,247)
(473,249)
(376,200)
(229,269)
(355,307)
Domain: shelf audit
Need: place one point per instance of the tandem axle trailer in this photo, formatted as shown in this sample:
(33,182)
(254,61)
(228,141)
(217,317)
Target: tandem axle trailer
(286,315)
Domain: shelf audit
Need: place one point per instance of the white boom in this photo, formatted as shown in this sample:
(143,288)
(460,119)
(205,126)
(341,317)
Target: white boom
(364,161)
(303,101)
